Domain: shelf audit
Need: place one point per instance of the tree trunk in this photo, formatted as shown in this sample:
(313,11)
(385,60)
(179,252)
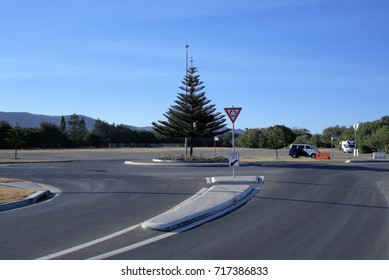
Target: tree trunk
(191,147)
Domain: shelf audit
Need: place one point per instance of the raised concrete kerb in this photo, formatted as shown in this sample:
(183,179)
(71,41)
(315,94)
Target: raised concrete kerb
(41,191)
(177,164)
(211,203)
(366,161)
(237,180)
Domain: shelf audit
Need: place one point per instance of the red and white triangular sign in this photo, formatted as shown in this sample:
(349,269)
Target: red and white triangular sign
(233,113)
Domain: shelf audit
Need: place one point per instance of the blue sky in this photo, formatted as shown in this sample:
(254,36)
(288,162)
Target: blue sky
(302,63)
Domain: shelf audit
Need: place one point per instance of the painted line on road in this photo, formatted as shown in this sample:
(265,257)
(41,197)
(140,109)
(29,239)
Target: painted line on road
(151,240)
(177,231)
(89,244)
(108,237)
(133,246)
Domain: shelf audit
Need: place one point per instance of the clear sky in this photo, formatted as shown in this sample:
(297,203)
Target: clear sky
(302,63)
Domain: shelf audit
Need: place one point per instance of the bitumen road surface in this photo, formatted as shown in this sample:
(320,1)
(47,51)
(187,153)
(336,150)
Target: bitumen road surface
(304,211)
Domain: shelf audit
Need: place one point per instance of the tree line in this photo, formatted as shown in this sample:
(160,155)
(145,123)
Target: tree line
(370,136)
(74,133)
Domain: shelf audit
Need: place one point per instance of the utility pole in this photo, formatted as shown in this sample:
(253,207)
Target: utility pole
(186,91)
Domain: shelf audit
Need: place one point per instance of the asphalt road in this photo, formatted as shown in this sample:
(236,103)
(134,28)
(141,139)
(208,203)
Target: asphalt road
(304,211)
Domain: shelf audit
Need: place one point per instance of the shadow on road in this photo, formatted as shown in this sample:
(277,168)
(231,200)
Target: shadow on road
(323,202)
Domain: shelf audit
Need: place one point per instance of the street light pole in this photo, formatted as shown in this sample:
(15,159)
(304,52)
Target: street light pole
(186,91)
(332,148)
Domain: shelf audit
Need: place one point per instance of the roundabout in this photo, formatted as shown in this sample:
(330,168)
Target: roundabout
(306,210)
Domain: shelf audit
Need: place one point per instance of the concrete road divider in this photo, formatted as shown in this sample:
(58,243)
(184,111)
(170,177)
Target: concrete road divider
(258,180)
(215,202)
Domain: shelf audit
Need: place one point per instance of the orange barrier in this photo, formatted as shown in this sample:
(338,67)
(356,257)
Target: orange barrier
(323,156)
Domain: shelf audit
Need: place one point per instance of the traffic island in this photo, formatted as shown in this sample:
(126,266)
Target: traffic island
(215,202)
(236,180)
(24,193)
(191,159)
(177,163)
(228,194)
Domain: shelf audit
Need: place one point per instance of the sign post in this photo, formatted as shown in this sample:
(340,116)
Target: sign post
(215,139)
(234,161)
(233,114)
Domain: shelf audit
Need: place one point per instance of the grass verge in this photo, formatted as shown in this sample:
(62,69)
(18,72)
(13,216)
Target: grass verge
(9,180)
(11,194)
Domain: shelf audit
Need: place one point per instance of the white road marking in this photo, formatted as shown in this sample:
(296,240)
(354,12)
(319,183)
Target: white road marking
(177,231)
(113,235)
(133,246)
(148,241)
(88,244)
(105,238)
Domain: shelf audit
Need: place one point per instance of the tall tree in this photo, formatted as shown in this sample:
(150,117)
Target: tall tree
(277,137)
(5,127)
(329,132)
(101,134)
(52,136)
(250,138)
(16,138)
(380,139)
(62,126)
(192,116)
(77,131)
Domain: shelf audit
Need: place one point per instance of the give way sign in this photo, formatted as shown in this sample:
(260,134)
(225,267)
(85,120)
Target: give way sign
(233,113)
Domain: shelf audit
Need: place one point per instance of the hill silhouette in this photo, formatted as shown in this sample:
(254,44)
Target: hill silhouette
(25,119)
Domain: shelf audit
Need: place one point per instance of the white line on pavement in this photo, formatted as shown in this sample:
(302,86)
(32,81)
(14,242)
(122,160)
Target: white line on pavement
(133,246)
(88,244)
(176,231)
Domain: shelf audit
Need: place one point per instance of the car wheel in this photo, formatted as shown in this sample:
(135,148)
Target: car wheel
(294,156)
(313,155)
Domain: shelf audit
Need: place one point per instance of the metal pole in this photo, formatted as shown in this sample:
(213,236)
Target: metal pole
(214,142)
(186,91)
(233,137)
(233,147)
(332,148)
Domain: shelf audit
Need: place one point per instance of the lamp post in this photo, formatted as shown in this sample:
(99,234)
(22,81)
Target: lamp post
(186,91)
(332,148)
(332,145)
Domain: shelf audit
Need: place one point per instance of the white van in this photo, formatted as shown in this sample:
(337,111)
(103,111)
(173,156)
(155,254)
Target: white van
(303,150)
(347,146)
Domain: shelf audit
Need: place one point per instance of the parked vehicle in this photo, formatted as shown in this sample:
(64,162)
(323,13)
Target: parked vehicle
(347,146)
(303,150)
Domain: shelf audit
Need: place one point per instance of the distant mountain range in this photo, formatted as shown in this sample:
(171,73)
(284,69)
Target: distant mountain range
(34,120)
